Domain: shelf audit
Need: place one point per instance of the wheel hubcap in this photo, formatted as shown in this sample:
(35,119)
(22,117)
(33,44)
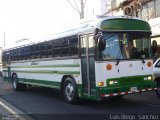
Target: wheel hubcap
(69,91)
(14,82)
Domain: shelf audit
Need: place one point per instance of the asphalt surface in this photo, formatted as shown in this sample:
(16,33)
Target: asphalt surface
(3,91)
(44,103)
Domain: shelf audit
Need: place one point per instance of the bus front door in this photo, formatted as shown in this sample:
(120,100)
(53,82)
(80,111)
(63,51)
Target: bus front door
(88,64)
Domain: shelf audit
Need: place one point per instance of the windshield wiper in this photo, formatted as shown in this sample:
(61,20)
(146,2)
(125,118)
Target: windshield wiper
(142,59)
(139,54)
(118,56)
(117,62)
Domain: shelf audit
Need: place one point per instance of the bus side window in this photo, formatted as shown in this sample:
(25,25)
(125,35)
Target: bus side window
(65,46)
(74,45)
(27,52)
(37,51)
(15,54)
(57,47)
(49,46)
(91,45)
(12,55)
(22,53)
(19,54)
(43,50)
(5,58)
(32,52)
(83,45)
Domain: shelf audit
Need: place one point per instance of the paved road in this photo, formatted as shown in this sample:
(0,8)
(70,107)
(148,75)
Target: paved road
(37,101)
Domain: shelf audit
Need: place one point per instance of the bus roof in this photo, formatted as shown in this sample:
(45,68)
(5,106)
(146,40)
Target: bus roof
(78,29)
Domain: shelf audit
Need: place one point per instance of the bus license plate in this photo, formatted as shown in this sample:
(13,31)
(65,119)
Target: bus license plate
(133,89)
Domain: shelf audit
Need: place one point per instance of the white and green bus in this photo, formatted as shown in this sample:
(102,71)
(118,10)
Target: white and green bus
(90,61)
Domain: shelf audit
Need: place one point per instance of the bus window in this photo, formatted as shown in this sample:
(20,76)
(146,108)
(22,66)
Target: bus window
(15,54)
(27,53)
(74,45)
(57,47)
(22,53)
(49,49)
(37,51)
(12,55)
(83,45)
(19,54)
(65,46)
(5,58)
(32,54)
(43,50)
(91,45)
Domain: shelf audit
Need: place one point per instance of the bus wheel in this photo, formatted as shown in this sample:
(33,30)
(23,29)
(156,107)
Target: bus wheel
(70,91)
(158,88)
(17,86)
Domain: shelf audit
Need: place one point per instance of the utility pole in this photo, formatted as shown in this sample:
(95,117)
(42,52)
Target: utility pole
(80,10)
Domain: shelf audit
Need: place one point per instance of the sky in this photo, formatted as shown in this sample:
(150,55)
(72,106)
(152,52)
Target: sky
(35,19)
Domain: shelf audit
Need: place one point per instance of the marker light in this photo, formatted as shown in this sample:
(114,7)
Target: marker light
(113,82)
(110,82)
(148,78)
(109,67)
(100,83)
(149,64)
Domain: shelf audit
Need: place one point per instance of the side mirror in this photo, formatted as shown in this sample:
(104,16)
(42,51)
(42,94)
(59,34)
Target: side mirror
(101,43)
(154,46)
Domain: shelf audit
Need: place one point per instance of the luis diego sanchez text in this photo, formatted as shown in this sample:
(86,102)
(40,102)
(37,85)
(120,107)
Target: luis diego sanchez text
(134,116)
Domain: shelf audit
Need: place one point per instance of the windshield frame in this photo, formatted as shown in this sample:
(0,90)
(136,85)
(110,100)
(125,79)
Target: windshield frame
(140,33)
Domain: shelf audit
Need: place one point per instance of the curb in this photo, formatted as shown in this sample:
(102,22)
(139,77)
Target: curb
(14,112)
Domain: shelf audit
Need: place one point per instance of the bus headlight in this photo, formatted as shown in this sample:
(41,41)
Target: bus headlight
(148,78)
(113,82)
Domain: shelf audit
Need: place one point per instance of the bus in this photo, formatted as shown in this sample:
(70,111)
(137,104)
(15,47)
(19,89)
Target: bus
(91,61)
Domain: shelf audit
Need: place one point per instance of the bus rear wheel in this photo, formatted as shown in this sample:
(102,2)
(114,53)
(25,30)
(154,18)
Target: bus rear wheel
(158,88)
(17,86)
(70,91)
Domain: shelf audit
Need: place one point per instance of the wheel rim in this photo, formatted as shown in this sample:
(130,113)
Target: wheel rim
(14,82)
(69,90)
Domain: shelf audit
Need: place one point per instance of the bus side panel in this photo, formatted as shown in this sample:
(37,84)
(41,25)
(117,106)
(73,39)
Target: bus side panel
(47,73)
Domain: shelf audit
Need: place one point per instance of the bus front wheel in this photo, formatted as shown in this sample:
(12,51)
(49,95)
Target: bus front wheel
(17,86)
(70,91)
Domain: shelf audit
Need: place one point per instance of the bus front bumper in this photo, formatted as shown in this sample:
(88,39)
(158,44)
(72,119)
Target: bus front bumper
(127,89)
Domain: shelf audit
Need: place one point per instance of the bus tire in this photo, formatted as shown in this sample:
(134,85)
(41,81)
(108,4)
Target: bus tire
(17,86)
(158,88)
(70,91)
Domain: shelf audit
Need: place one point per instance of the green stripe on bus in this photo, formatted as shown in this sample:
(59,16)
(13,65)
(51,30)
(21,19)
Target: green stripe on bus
(40,82)
(46,66)
(128,80)
(48,72)
(46,83)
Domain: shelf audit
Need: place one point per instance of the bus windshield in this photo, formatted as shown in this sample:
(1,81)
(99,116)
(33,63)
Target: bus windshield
(126,46)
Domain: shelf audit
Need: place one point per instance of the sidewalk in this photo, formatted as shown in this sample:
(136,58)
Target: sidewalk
(5,87)
(5,114)
(7,111)
(3,111)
